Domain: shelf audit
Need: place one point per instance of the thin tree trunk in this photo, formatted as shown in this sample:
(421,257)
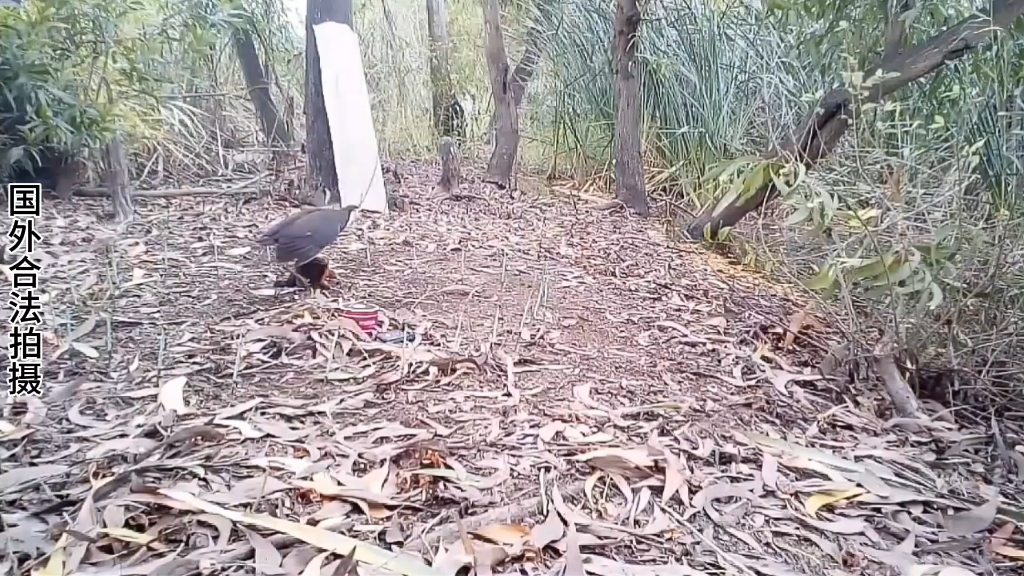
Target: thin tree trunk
(535,43)
(274,128)
(629,173)
(323,173)
(823,127)
(118,182)
(449,117)
(506,137)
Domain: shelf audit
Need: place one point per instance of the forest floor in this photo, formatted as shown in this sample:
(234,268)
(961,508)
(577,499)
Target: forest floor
(584,396)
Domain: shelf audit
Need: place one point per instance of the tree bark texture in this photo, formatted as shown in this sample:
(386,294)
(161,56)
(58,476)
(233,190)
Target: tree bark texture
(323,174)
(506,137)
(823,126)
(274,127)
(535,43)
(629,173)
(118,182)
(449,116)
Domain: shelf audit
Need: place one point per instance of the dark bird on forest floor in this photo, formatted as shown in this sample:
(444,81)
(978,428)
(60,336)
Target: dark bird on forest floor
(300,237)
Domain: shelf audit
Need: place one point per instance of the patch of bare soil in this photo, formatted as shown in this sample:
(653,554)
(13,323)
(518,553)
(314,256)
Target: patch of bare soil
(582,396)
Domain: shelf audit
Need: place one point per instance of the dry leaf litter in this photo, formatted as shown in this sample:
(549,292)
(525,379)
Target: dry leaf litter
(581,397)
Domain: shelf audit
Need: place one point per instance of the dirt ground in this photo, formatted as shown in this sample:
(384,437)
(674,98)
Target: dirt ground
(585,396)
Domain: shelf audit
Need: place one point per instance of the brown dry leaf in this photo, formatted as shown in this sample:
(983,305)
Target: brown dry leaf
(796,322)
(510,534)
(14,478)
(821,499)
(997,542)
(973,520)
(632,463)
(325,539)
(548,531)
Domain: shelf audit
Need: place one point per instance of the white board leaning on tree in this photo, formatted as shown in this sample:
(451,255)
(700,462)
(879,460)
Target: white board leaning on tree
(347,99)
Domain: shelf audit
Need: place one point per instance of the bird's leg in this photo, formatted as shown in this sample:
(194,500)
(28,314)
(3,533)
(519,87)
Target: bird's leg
(305,281)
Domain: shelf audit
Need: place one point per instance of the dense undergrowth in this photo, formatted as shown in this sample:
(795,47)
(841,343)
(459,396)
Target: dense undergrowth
(914,226)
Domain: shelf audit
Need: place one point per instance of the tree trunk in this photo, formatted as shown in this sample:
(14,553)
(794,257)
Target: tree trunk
(822,128)
(274,128)
(449,117)
(629,172)
(323,174)
(118,182)
(506,137)
(535,44)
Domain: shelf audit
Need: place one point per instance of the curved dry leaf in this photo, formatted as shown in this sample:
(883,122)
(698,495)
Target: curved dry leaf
(997,542)
(172,395)
(223,526)
(35,410)
(243,427)
(83,329)
(267,558)
(129,445)
(375,479)
(250,489)
(13,478)
(955,571)
(632,463)
(76,417)
(673,477)
(973,520)
(86,350)
(313,568)
(821,499)
(548,431)
(232,411)
(398,562)
(449,562)
(65,392)
(293,465)
(113,516)
(722,490)
(870,481)
(238,251)
(279,429)
(551,530)
(395,533)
